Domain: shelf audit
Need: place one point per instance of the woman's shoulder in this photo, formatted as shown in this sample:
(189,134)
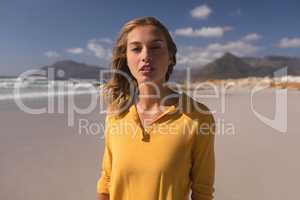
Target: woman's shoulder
(200,113)
(114,114)
(190,106)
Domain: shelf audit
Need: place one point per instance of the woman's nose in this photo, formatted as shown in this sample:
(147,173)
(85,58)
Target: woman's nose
(147,59)
(146,55)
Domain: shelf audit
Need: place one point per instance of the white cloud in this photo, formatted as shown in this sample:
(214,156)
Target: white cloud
(289,42)
(203,32)
(51,54)
(201,12)
(252,37)
(197,56)
(106,40)
(99,49)
(75,51)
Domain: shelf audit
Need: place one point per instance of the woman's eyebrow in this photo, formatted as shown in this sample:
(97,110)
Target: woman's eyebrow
(155,40)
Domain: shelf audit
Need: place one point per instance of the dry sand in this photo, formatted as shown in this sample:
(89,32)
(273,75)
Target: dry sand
(42,158)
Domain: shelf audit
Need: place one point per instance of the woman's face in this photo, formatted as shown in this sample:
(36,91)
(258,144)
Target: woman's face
(147,54)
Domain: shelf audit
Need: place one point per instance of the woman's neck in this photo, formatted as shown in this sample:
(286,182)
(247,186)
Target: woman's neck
(152,95)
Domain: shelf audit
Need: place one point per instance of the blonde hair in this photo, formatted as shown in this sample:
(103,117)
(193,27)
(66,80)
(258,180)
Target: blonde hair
(118,90)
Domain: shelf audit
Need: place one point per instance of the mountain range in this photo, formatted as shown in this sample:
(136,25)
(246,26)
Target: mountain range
(225,67)
(230,66)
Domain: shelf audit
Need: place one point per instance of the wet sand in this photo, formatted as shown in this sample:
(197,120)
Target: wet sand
(42,158)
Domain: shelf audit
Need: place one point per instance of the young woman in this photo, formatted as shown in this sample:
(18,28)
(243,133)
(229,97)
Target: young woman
(159,144)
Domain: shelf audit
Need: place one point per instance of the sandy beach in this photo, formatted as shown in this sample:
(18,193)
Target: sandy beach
(43,158)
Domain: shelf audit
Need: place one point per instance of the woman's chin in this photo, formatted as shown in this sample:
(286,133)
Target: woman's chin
(147,76)
(150,80)
(152,77)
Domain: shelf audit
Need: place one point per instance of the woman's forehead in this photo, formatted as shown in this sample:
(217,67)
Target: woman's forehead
(147,33)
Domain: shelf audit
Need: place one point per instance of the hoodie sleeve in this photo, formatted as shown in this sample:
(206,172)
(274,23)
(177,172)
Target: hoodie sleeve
(203,159)
(104,180)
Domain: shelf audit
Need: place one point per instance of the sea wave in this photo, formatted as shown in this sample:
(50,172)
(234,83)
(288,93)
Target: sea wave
(11,83)
(32,95)
(14,88)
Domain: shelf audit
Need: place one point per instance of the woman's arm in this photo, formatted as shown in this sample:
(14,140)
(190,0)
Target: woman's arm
(104,179)
(102,196)
(203,167)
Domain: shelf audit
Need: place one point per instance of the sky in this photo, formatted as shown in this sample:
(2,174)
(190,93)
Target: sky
(35,33)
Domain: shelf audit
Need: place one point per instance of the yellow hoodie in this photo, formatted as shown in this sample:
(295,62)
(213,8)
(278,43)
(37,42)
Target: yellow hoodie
(164,161)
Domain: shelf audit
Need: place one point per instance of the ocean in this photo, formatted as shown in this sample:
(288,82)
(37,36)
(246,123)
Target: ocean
(14,88)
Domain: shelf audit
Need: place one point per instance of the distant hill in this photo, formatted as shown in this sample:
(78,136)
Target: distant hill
(228,66)
(66,69)
(8,77)
(267,65)
(231,66)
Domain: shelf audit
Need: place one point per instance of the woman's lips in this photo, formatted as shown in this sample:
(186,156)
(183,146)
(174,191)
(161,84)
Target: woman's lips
(146,69)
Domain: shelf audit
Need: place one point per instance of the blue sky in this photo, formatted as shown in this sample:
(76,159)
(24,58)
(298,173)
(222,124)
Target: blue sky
(35,33)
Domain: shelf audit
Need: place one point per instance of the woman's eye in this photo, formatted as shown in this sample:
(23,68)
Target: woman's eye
(155,47)
(135,49)
(138,49)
